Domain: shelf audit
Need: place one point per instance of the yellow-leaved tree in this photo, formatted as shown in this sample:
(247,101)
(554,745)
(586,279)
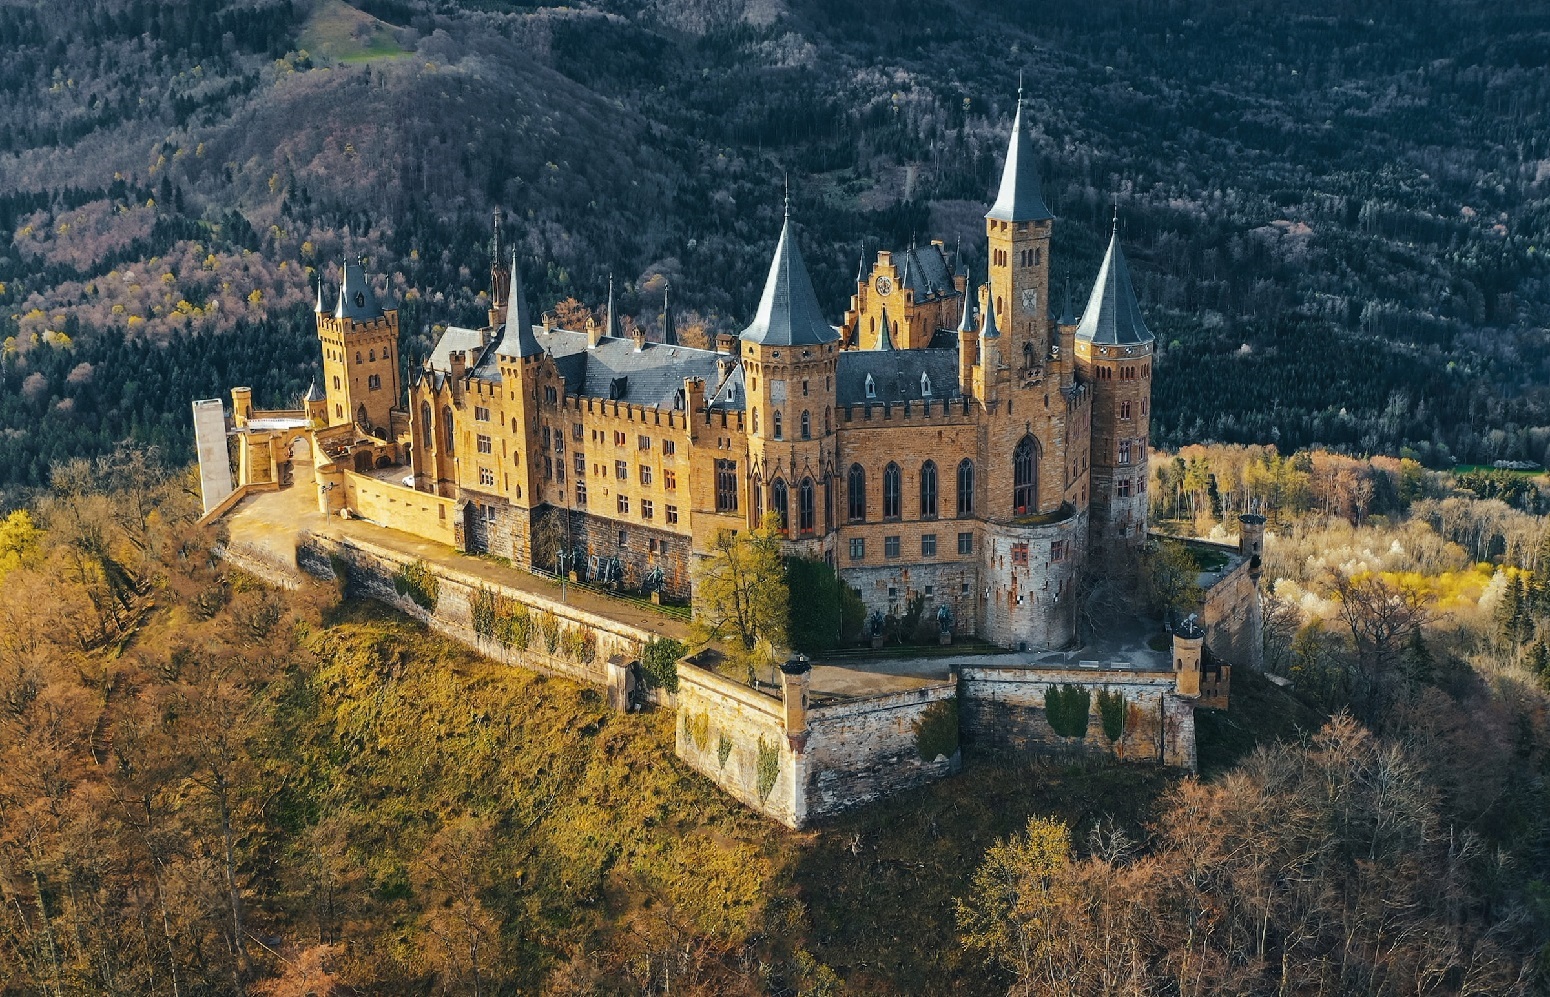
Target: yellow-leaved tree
(19,540)
(741,599)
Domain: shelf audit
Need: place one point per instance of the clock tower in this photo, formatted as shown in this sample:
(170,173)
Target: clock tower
(918,290)
(1018,227)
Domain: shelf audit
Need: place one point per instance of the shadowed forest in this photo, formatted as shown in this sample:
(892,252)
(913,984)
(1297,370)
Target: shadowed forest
(1335,218)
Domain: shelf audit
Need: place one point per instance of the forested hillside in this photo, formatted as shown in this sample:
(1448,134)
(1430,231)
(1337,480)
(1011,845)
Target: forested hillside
(1335,218)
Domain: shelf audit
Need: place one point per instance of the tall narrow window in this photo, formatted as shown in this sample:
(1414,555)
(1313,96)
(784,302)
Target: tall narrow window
(807,424)
(777,423)
(726,486)
(1025,477)
(780,503)
(805,506)
(892,487)
(448,438)
(425,425)
(966,487)
(857,494)
(928,490)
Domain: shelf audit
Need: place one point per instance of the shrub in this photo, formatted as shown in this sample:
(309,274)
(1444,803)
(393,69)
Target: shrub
(514,628)
(697,727)
(484,613)
(1067,708)
(815,608)
(417,582)
(1113,709)
(659,662)
(769,768)
(549,629)
(936,732)
(723,749)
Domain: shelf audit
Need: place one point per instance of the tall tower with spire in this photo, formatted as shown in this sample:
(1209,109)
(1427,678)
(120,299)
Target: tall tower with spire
(1114,350)
(789,354)
(1018,229)
(360,354)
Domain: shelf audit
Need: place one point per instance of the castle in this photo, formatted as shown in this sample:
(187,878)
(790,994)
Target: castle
(946,440)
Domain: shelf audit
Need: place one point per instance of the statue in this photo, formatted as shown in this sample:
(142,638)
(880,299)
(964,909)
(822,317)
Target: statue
(944,619)
(652,582)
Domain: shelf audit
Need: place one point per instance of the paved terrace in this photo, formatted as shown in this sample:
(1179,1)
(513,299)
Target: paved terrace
(273,523)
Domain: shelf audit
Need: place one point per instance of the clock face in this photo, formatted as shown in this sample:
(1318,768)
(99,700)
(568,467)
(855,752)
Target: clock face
(885,285)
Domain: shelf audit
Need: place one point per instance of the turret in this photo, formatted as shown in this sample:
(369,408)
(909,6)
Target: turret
(1188,645)
(968,344)
(359,340)
(316,404)
(241,406)
(1251,541)
(1018,229)
(795,675)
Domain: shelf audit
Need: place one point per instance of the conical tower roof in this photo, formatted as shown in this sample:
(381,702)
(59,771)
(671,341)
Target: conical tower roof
(518,339)
(1112,317)
(611,321)
(988,328)
(788,311)
(1019,199)
(966,320)
(321,310)
(669,330)
(315,393)
(884,340)
(1067,316)
(356,298)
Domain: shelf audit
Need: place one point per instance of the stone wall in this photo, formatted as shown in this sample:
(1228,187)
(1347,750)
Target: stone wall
(888,588)
(862,751)
(1004,707)
(1231,617)
(1027,575)
(726,730)
(371,569)
(397,507)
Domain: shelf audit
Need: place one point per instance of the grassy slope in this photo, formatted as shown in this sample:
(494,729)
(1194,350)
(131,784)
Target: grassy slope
(338,32)
(1259,712)
(602,836)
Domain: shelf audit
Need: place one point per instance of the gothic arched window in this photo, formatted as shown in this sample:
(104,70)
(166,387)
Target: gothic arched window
(776,421)
(928,490)
(857,494)
(966,487)
(1025,477)
(807,426)
(892,487)
(871,387)
(425,425)
(806,506)
(780,504)
(447,430)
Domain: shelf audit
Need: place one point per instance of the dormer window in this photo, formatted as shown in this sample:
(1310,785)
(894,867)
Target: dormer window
(925,385)
(871,387)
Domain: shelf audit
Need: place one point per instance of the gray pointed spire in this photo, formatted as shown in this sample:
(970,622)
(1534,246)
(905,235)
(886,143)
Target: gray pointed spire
(1113,317)
(315,393)
(669,331)
(611,322)
(1067,317)
(884,340)
(861,269)
(518,339)
(988,328)
(966,320)
(321,309)
(788,314)
(356,298)
(1019,199)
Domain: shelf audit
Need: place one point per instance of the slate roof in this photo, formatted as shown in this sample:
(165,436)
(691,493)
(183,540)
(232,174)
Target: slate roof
(1019,199)
(457,339)
(1112,317)
(988,328)
(924,270)
(356,298)
(315,393)
(789,314)
(895,375)
(519,320)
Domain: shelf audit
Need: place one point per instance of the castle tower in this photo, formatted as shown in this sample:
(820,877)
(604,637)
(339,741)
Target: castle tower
(789,355)
(1188,643)
(1018,227)
(360,355)
(316,404)
(1114,350)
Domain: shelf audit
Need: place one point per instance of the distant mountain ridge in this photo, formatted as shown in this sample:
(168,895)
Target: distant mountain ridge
(1335,221)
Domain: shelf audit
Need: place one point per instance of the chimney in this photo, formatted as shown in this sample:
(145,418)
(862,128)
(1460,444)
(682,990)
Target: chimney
(457,360)
(639,335)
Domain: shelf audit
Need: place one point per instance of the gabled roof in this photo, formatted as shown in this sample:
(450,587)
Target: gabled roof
(1113,317)
(788,311)
(1019,199)
(517,341)
(923,270)
(896,375)
(356,298)
(459,340)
